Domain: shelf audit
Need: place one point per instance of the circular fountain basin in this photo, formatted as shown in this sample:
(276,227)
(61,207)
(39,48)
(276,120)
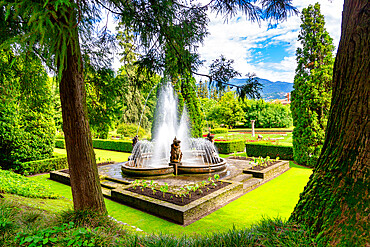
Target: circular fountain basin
(146,171)
(200,169)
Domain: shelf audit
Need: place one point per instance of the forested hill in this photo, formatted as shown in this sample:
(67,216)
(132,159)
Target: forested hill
(271,90)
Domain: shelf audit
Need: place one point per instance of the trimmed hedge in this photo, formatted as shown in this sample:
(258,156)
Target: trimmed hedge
(219,130)
(267,149)
(114,145)
(60,143)
(46,165)
(226,147)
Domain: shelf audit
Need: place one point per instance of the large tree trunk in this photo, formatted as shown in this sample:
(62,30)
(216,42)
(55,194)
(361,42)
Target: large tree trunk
(85,184)
(335,204)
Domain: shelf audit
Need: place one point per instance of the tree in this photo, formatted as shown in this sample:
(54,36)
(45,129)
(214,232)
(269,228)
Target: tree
(229,110)
(53,29)
(312,87)
(103,99)
(220,73)
(266,114)
(335,203)
(202,90)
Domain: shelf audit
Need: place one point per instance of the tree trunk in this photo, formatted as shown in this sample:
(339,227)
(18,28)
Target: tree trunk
(85,184)
(335,202)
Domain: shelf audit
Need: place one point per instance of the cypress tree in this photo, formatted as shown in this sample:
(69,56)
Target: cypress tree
(312,87)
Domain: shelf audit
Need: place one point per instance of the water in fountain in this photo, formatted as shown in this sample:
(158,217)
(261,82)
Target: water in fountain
(157,153)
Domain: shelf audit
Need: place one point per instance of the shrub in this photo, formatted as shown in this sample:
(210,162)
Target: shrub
(130,130)
(267,149)
(46,165)
(114,145)
(226,147)
(27,126)
(219,130)
(60,143)
(13,183)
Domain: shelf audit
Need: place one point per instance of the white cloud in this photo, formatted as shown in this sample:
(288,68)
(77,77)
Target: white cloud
(236,39)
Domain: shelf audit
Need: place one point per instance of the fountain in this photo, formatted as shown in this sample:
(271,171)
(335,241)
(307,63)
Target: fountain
(163,155)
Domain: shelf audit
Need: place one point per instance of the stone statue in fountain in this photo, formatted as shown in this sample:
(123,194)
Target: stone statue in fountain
(176,154)
(135,140)
(210,137)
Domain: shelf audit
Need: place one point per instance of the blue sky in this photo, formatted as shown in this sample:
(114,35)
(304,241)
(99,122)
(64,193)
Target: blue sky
(268,52)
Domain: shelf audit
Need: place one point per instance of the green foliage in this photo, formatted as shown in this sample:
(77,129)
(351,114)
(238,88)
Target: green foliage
(46,165)
(114,145)
(64,235)
(312,86)
(103,92)
(267,115)
(226,147)
(271,150)
(219,130)
(188,92)
(27,127)
(130,130)
(60,143)
(228,110)
(13,183)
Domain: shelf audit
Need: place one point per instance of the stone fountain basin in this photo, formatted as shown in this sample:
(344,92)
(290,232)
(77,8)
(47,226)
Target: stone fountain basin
(200,169)
(165,170)
(146,171)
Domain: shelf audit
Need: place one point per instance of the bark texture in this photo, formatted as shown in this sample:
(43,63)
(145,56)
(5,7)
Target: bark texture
(335,204)
(85,184)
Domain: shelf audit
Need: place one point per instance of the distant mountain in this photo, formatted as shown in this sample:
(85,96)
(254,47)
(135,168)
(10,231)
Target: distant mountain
(271,90)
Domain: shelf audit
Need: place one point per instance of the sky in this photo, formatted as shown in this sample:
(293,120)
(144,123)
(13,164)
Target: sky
(267,52)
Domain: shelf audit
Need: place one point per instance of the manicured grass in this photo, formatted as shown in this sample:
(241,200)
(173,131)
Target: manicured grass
(103,155)
(276,198)
(264,129)
(243,136)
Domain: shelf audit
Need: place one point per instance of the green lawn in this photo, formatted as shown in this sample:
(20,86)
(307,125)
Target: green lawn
(244,136)
(275,198)
(103,155)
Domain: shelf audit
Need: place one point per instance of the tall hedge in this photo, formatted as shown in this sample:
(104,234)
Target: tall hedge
(312,87)
(27,126)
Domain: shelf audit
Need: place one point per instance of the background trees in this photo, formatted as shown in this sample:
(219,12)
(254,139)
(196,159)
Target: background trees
(267,115)
(312,87)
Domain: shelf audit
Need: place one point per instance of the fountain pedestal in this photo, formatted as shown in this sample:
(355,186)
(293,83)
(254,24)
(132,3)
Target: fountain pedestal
(175,166)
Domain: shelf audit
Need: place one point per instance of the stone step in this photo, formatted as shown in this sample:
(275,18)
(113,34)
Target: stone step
(106,192)
(252,184)
(109,184)
(242,178)
(116,180)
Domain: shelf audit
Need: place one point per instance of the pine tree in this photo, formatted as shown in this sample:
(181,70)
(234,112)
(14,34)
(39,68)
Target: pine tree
(312,87)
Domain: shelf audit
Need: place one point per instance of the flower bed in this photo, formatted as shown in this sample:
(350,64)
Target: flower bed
(181,199)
